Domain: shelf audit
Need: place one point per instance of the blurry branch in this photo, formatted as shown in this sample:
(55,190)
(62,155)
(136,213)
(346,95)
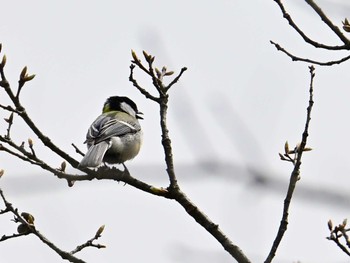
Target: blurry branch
(174,191)
(293,156)
(26,226)
(329,23)
(338,233)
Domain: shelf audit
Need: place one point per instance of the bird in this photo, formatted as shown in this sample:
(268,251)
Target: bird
(116,135)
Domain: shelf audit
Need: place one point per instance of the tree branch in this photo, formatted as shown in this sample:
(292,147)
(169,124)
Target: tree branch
(294,175)
(295,58)
(308,40)
(174,191)
(329,23)
(28,227)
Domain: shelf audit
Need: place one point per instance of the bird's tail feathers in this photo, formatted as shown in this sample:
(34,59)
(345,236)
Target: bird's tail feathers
(94,155)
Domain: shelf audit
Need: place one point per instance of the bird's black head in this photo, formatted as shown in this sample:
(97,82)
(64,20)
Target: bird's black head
(118,103)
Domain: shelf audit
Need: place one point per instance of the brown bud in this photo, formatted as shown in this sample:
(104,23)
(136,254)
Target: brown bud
(23,229)
(23,73)
(307,149)
(3,61)
(286,147)
(134,56)
(2,171)
(159,74)
(10,119)
(346,25)
(147,57)
(169,73)
(30,142)
(99,231)
(29,78)
(330,225)
(28,217)
(63,166)
(345,221)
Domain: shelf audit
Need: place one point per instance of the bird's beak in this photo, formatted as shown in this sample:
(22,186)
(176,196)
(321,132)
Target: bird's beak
(138,115)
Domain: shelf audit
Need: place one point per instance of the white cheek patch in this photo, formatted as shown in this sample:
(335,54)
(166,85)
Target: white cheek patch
(128,109)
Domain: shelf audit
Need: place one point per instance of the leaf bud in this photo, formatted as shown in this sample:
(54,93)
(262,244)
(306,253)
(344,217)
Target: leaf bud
(330,225)
(30,142)
(29,78)
(23,73)
(346,25)
(159,74)
(169,73)
(286,147)
(134,56)
(28,217)
(3,61)
(99,231)
(63,166)
(23,229)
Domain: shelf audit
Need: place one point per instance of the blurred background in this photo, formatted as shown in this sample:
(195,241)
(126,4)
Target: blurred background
(229,116)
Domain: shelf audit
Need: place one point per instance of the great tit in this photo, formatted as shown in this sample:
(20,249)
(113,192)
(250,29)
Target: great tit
(116,135)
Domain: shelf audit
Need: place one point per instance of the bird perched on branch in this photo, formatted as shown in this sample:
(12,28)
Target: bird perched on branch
(116,135)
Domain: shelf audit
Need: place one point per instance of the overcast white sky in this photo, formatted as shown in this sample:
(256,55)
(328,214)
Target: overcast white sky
(234,108)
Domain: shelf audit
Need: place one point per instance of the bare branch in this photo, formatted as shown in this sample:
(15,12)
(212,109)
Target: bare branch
(77,150)
(20,110)
(177,78)
(173,190)
(142,90)
(338,233)
(294,175)
(89,243)
(328,22)
(30,228)
(295,58)
(306,38)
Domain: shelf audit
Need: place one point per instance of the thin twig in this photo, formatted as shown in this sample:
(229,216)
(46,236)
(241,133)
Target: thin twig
(176,79)
(136,85)
(15,235)
(89,243)
(65,255)
(341,246)
(295,58)
(77,150)
(303,35)
(339,232)
(10,122)
(20,110)
(328,22)
(294,175)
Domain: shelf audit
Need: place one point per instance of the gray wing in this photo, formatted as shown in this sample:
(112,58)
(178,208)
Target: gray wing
(105,127)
